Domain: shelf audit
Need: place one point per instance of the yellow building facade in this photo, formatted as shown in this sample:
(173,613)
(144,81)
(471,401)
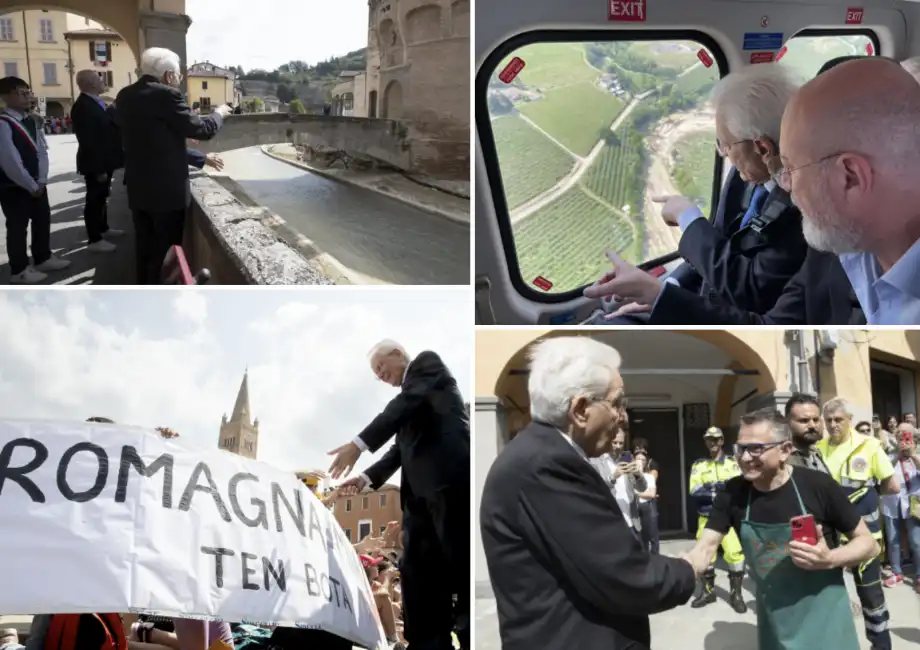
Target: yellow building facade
(681,382)
(48,48)
(210,86)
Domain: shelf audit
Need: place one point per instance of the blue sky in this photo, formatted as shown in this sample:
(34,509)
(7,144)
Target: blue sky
(269,33)
(176,358)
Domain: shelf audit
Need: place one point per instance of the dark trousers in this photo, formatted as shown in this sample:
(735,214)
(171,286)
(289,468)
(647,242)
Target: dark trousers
(20,208)
(95,211)
(154,233)
(648,516)
(435,570)
(872,598)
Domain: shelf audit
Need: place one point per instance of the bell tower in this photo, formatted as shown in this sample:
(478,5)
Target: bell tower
(240,434)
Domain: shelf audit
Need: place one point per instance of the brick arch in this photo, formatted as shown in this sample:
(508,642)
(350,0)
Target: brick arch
(393,101)
(736,348)
(423,24)
(460,18)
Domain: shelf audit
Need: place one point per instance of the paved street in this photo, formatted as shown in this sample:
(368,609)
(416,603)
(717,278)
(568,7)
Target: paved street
(377,239)
(68,234)
(718,627)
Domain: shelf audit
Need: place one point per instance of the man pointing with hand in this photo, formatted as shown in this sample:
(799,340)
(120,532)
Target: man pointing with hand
(432,428)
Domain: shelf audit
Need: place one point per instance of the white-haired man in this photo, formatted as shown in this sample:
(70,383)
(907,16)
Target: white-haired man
(155,123)
(801,596)
(566,568)
(98,156)
(850,143)
(754,245)
(863,469)
(432,428)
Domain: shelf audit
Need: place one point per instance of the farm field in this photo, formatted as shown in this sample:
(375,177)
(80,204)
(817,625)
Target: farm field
(693,172)
(615,175)
(577,116)
(697,79)
(530,162)
(667,54)
(551,65)
(566,241)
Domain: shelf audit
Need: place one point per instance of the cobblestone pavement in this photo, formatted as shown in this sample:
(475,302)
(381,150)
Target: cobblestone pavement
(376,239)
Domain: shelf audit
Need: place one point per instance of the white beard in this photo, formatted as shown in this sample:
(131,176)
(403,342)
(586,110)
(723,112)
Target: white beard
(829,239)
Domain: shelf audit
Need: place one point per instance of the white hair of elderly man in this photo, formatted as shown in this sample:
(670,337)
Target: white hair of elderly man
(385,348)
(563,368)
(158,62)
(752,100)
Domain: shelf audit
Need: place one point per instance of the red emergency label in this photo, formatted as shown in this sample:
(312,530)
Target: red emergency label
(780,54)
(854,16)
(512,70)
(704,58)
(762,57)
(626,11)
(869,49)
(657,272)
(542,283)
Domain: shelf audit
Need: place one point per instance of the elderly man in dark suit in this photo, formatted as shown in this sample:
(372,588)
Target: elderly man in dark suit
(155,123)
(566,567)
(432,446)
(98,156)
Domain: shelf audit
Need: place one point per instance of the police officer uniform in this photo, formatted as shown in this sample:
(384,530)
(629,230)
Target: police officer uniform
(860,465)
(707,477)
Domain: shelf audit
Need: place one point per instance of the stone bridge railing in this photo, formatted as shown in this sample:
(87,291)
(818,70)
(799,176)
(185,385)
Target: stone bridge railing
(396,143)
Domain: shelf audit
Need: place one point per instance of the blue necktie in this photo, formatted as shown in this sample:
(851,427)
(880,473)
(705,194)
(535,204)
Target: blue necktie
(760,195)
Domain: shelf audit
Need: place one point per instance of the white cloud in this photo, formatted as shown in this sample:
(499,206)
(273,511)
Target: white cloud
(131,356)
(191,306)
(273,32)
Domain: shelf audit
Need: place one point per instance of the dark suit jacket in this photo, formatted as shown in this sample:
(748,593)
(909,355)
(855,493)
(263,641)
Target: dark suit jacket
(819,294)
(740,266)
(98,142)
(431,425)
(566,570)
(195,158)
(155,123)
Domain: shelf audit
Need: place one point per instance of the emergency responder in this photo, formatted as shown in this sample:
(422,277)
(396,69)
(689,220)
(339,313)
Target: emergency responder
(312,479)
(861,467)
(707,477)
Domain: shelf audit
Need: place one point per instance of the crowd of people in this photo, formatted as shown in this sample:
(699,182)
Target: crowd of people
(797,237)
(149,131)
(796,502)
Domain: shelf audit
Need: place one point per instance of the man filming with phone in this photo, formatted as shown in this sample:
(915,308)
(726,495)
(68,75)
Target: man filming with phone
(788,519)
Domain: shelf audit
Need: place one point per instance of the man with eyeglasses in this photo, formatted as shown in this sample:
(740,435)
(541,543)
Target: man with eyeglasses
(862,468)
(820,293)
(851,149)
(754,244)
(23,186)
(707,479)
(801,596)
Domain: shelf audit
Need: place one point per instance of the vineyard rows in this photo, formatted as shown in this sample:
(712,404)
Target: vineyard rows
(530,162)
(566,241)
(617,173)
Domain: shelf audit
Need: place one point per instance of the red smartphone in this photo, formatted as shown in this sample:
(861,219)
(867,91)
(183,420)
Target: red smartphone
(804,529)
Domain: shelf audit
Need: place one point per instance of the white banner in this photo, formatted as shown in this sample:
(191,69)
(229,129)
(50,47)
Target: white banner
(108,518)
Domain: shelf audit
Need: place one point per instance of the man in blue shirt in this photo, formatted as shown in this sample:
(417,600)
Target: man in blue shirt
(851,148)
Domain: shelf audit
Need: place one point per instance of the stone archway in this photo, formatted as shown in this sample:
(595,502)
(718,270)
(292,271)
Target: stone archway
(54,109)
(393,101)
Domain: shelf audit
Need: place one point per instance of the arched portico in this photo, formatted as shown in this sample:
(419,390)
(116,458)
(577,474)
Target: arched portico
(133,20)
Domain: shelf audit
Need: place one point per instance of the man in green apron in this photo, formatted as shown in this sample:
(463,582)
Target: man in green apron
(801,597)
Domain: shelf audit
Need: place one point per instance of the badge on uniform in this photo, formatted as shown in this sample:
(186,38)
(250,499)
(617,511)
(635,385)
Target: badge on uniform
(860,464)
